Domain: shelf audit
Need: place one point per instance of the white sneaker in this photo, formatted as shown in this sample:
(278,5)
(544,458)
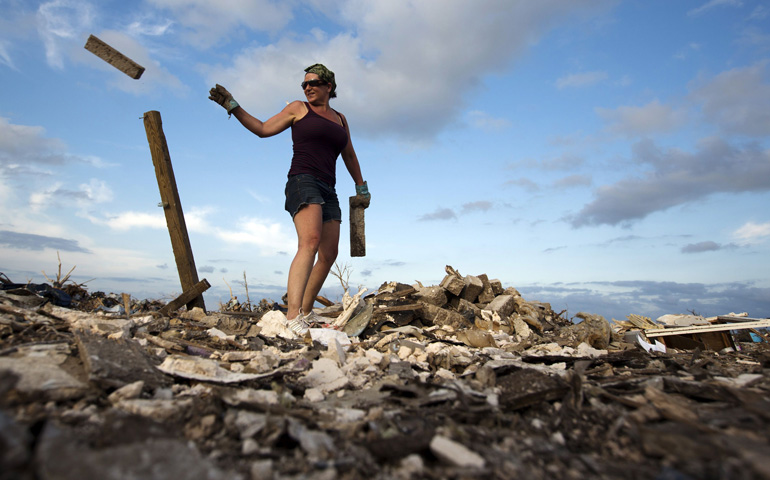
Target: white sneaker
(298,325)
(313,318)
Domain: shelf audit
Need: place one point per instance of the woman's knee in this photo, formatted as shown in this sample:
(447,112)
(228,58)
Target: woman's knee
(328,253)
(309,243)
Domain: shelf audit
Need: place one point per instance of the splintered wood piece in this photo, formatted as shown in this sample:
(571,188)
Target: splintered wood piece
(187,297)
(114,57)
(719,327)
(357,227)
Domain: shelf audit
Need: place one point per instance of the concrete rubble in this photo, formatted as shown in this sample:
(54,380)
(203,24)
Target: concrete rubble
(465,379)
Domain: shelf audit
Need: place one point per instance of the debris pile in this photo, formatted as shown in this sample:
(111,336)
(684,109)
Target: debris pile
(465,379)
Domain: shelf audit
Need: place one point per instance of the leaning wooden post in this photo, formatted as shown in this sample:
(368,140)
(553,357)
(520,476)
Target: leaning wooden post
(172,206)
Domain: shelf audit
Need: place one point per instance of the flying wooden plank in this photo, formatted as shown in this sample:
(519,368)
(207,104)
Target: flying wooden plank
(114,57)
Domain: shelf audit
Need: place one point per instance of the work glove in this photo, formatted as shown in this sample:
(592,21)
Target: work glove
(220,95)
(363,190)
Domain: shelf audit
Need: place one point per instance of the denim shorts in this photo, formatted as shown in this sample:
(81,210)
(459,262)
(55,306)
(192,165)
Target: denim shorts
(305,189)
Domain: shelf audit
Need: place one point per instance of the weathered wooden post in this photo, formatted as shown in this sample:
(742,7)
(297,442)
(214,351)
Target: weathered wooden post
(172,207)
(358,203)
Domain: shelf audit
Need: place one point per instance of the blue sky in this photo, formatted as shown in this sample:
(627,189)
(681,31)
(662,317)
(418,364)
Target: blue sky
(603,156)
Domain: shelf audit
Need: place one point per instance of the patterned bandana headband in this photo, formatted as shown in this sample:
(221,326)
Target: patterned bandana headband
(324,74)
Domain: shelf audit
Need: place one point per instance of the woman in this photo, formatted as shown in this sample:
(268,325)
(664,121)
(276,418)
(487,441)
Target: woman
(320,134)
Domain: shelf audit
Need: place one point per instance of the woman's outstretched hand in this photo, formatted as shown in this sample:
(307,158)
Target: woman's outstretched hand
(220,95)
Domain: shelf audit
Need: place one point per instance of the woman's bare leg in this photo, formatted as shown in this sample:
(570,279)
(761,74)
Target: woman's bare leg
(327,254)
(308,222)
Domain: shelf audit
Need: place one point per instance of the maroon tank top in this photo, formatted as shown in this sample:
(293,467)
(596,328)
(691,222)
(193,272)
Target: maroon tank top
(318,142)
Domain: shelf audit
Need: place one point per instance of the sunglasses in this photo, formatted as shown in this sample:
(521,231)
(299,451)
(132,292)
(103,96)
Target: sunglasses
(313,83)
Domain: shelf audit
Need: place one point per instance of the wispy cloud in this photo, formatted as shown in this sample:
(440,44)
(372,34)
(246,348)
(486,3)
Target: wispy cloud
(714,4)
(439,214)
(579,80)
(484,121)
(61,21)
(707,246)
(572,181)
(480,206)
(5,56)
(645,120)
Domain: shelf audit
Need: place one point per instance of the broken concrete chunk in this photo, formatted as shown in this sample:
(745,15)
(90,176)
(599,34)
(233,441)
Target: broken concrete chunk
(127,392)
(96,324)
(476,338)
(473,288)
(43,379)
(440,316)
(520,327)
(317,444)
(465,307)
(156,409)
(453,284)
(497,286)
(487,294)
(325,375)
(250,423)
(61,455)
(527,387)
(326,336)
(203,369)
(431,295)
(16,441)
(593,330)
(249,397)
(502,304)
(274,324)
(115,363)
(455,453)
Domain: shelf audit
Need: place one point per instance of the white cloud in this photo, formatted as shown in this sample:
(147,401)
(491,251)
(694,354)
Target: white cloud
(129,220)
(752,232)
(584,79)
(399,49)
(206,22)
(267,235)
(61,21)
(647,119)
(195,219)
(149,28)
(96,191)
